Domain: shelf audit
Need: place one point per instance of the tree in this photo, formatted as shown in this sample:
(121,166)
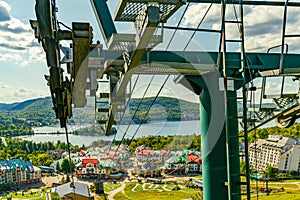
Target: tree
(65,166)
(55,196)
(41,159)
(58,166)
(269,173)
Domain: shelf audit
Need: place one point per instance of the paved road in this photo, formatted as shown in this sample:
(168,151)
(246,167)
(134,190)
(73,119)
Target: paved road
(119,189)
(4,141)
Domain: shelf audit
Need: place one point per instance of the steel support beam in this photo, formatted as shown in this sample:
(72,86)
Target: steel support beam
(149,25)
(265,63)
(213,136)
(104,19)
(257,3)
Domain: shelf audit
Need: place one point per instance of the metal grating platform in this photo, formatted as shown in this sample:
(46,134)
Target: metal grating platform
(126,42)
(127,10)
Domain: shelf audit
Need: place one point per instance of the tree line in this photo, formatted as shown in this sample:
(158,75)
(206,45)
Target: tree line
(174,143)
(37,153)
(263,133)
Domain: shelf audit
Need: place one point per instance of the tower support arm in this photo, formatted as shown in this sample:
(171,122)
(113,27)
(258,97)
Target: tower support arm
(104,19)
(261,3)
(149,25)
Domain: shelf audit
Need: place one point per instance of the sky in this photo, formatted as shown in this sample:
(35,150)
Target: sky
(23,63)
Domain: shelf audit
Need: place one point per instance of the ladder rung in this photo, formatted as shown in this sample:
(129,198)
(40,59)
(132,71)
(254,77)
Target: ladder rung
(102,109)
(234,40)
(235,60)
(233,21)
(292,35)
(104,95)
(241,183)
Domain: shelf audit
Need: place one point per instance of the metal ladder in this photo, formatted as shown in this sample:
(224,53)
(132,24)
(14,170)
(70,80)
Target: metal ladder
(284,35)
(102,105)
(231,172)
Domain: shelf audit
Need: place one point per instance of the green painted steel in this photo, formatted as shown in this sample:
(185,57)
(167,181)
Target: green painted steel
(104,19)
(232,146)
(261,3)
(213,136)
(258,62)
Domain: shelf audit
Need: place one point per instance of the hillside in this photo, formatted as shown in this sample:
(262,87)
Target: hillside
(262,133)
(18,118)
(164,108)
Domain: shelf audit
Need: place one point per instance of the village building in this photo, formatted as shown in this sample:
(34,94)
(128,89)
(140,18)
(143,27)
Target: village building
(19,173)
(73,190)
(185,162)
(279,152)
(90,167)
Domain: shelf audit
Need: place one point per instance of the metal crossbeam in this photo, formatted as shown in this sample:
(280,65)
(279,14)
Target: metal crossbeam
(104,19)
(206,61)
(261,3)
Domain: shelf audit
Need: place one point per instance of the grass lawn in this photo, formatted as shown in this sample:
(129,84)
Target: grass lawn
(279,196)
(288,186)
(120,195)
(25,196)
(111,186)
(156,191)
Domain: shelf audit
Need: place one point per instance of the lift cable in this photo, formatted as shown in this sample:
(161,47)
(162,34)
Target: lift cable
(174,32)
(135,112)
(204,16)
(69,154)
(126,106)
(164,83)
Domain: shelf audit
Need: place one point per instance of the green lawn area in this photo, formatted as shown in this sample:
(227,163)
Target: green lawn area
(25,196)
(279,196)
(156,192)
(288,186)
(111,186)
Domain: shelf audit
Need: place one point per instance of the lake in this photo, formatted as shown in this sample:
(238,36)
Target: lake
(155,128)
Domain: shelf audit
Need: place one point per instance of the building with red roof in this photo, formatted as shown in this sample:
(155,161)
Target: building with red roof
(90,166)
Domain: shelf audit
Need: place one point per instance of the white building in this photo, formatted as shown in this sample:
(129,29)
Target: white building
(277,151)
(290,160)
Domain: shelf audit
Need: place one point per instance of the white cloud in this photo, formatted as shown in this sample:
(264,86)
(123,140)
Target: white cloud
(263,24)
(3,85)
(11,94)
(17,42)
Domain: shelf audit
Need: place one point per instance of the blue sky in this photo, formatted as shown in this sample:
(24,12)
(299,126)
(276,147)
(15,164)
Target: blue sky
(22,60)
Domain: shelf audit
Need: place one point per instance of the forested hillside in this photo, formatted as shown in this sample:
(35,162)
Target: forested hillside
(18,118)
(262,133)
(174,143)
